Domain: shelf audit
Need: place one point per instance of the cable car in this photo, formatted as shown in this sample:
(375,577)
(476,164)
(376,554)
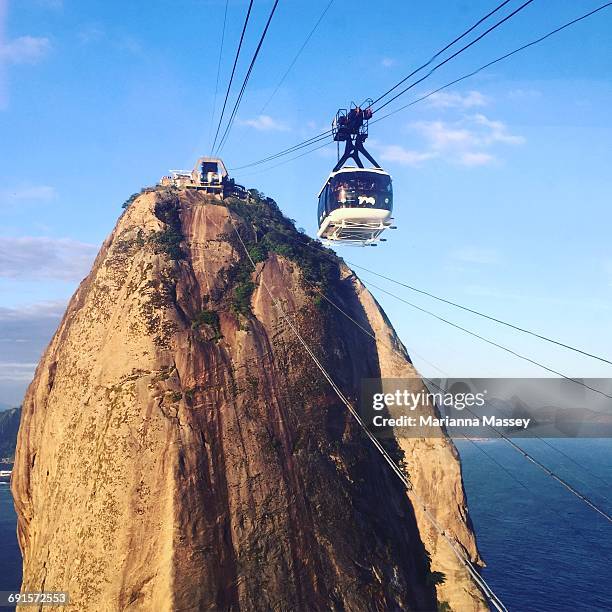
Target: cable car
(355,203)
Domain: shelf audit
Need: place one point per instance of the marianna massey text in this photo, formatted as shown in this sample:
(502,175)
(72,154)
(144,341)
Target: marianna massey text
(432,421)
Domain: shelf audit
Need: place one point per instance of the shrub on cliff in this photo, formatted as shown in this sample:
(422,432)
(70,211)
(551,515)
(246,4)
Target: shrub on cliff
(211,319)
(131,199)
(241,297)
(273,232)
(169,239)
(127,203)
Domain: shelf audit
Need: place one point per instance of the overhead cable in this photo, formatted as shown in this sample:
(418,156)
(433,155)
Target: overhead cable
(212,116)
(297,55)
(443,87)
(482,314)
(495,601)
(499,59)
(448,59)
(441,51)
(246,79)
(229,85)
(587,500)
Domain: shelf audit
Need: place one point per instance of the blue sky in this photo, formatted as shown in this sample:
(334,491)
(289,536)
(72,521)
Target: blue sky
(502,184)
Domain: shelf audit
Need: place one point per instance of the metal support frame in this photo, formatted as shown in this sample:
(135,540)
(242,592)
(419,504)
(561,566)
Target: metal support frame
(354,146)
(352,127)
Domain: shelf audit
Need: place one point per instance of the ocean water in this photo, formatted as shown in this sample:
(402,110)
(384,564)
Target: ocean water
(10,556)
(545,549)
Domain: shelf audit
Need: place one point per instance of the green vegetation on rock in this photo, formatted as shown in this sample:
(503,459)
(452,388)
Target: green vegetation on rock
(208,318)
(131,199)
(271,232)
(127,203)
(168,240)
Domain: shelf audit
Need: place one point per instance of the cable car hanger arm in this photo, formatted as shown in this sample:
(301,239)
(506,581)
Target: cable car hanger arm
(352,149)
(352,128)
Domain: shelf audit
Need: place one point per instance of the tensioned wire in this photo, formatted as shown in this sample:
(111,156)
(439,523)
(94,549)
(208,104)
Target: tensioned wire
(542,38)
(496,602)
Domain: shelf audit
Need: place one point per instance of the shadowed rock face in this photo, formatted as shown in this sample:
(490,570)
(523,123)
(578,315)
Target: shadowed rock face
(178,448)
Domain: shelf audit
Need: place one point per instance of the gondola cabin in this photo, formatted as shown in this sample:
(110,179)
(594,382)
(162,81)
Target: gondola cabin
(355,206)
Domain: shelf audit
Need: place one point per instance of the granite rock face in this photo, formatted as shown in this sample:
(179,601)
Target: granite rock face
(179,450)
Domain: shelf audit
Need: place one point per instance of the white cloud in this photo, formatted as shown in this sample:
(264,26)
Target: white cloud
(17,372)
(264,123)
(468,141)
(471,99)
(311,126)
(476,255)
(388,62)
(498,132)
(24,333)
(442,136)
(523,94)
(50,309)
(25,50)
(21,50)
(94,34)
(40,193)
(403,156)
(45,258)
(475,159)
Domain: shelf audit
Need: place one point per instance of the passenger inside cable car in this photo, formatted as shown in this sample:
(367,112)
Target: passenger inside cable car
(374,191)
(356,189)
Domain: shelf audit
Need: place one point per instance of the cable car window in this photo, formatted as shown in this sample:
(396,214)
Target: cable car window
(209,167)
(322,202)
(330,203)
(361,190)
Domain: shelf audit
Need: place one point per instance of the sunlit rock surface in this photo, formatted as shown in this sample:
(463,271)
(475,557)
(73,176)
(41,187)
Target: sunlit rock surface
(179,450)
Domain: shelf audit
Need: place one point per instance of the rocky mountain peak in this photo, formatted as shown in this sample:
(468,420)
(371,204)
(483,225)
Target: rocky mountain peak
(179,449)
